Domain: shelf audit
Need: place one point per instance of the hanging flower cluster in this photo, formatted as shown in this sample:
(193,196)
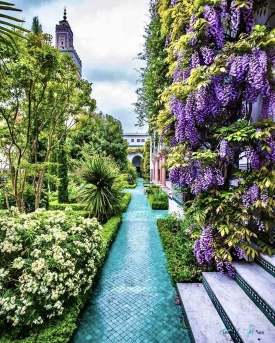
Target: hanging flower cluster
(203,248)
(198,178)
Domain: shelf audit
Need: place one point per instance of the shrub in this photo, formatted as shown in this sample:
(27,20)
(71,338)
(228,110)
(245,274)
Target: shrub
(101,194)
(48,260)
(131,174)
(108,233)
(178,243)
(131,186)
(152,189)
(54,205)
(159,200)
(125,201)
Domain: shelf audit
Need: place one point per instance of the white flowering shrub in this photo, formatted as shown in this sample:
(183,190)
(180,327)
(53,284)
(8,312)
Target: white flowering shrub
(48,260)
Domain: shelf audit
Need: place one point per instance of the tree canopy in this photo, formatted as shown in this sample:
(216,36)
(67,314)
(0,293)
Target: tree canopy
(99,134)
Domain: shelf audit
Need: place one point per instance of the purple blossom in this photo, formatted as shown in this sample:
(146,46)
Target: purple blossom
(250,196)
(208,55)
(239,252)
(203,248)
(248,16)
(215,30)
(264,198)
(173,3)
(195,60)
(230,269)
(235,17)
(225,150)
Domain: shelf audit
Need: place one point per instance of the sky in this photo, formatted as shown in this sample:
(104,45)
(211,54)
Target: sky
(108,35)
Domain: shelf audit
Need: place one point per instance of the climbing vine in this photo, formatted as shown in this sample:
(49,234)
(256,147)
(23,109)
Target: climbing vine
(153,76)
(217,115)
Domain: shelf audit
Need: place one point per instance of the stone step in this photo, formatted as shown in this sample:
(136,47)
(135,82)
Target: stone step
(259,285)
(203,319)
(244,320)
(267,262)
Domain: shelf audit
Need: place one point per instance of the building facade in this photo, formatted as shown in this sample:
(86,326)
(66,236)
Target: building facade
(136,142)
(64,41)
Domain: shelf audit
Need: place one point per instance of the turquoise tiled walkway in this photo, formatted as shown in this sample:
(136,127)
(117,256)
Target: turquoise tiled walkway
(134,299)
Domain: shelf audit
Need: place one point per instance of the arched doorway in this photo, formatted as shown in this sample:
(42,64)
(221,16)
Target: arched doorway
(136,161)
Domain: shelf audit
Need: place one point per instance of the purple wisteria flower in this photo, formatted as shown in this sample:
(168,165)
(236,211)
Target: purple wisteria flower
(251,196)
(203,248)
(215,30)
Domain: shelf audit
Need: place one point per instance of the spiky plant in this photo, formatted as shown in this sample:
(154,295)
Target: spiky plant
(102,196)
(7,28)
(8,33)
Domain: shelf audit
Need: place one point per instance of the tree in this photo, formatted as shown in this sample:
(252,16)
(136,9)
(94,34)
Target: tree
(216,112)
(100,134)
(41,96)
(36,26)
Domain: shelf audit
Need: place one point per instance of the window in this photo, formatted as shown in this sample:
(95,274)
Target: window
(132,140)
(138,140)
(143,140)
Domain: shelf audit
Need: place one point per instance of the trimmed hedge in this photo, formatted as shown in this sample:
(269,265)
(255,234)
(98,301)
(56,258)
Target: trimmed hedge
(54,205)
(109,232)
(131,186)
(159,204)
(125,201)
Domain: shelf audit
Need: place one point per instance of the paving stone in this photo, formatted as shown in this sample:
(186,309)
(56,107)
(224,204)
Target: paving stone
(134,298)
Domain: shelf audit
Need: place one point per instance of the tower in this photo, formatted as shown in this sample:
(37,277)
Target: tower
(65,41)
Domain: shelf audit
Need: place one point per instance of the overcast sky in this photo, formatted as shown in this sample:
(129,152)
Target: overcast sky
(108,34)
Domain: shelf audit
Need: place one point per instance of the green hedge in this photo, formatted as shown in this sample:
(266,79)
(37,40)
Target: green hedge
(131,186)
(78,207)
(178,246)
(125,201)
(54,205)
(159,203)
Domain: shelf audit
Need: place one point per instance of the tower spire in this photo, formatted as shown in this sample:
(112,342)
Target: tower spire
(65,13)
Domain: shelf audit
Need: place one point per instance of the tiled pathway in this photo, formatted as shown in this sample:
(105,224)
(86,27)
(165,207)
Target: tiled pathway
(134,299)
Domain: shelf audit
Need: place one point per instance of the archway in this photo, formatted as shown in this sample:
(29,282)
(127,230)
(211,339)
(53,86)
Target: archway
(136,161)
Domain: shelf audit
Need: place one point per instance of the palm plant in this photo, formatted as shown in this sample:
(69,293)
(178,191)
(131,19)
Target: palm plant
(102,196)
(7,31)
(7,34)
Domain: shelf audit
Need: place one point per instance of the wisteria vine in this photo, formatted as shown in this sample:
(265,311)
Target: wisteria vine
(217,92)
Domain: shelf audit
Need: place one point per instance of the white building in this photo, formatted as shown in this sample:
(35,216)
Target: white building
(136,142)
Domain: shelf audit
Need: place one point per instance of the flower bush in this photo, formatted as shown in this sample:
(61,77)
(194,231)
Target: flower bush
(48,261)
(217,116)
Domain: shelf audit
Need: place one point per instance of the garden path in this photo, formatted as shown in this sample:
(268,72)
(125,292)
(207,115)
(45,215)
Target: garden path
(134,298)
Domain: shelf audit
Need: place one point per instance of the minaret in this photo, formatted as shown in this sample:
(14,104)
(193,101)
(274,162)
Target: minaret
(65,40)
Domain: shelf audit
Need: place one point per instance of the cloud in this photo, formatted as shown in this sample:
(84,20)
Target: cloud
(110,72)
